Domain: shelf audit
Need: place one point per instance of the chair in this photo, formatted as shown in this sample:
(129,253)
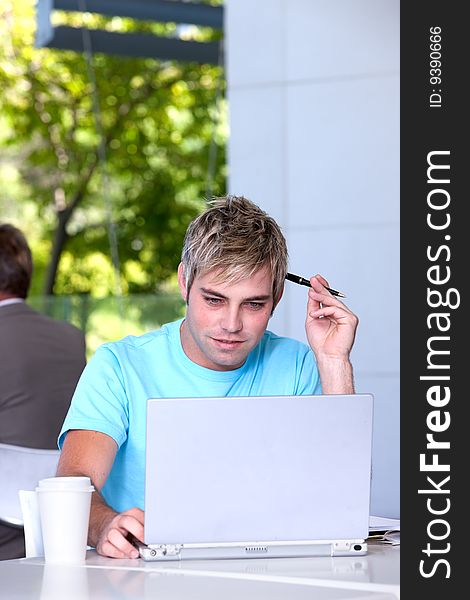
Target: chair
(20,469)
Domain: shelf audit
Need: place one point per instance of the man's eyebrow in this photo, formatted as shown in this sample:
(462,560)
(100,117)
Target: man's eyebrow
(260,298)
(212,293)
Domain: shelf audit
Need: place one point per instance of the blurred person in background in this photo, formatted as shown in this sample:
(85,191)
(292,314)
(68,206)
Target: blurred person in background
(41,360)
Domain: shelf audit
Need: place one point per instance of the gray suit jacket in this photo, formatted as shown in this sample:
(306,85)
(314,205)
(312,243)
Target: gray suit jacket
(41,360)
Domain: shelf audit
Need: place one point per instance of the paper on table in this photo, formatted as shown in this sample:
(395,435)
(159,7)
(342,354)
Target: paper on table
(383,524)
(391,537)
(385,530)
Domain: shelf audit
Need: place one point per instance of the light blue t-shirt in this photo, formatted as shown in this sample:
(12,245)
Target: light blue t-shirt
(112,393)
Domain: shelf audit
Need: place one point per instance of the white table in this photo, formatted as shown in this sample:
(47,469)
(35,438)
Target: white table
(375,576)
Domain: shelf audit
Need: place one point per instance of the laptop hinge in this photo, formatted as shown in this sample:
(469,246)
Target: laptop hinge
(341,546)
(162,550)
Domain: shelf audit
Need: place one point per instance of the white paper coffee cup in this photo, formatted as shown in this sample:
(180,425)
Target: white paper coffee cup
(64,509)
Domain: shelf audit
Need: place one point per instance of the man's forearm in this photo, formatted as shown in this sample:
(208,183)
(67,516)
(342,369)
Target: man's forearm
(100,513)
(100,516)
(89,453)
(336,375)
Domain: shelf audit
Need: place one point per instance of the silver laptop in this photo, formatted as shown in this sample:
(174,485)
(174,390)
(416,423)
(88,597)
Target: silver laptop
(258,476)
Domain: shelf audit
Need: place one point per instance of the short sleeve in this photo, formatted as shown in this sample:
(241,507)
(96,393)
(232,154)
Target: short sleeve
(100,401)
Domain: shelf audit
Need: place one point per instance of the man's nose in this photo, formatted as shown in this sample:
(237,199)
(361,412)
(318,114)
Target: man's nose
(231,320)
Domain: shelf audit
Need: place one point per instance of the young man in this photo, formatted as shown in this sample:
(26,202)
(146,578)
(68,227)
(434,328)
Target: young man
(231,275)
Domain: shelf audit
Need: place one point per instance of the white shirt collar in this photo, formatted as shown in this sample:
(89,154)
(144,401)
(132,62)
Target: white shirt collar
(11,301)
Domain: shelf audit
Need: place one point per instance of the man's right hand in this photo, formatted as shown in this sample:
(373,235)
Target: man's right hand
(113,541)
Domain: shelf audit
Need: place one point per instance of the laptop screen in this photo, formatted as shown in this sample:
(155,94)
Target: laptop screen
(278,468)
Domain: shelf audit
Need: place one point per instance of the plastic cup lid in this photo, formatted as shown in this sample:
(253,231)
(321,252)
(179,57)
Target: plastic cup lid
(75,484)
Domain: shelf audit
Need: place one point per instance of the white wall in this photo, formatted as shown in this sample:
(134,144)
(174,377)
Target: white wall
(313,89)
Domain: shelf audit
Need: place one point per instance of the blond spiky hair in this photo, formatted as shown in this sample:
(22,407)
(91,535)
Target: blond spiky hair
(235,238)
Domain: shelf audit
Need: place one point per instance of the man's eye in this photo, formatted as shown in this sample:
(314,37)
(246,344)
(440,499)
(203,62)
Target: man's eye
(255,305)
(213,301)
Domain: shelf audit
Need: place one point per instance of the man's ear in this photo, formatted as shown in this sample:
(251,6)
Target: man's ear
(182,282)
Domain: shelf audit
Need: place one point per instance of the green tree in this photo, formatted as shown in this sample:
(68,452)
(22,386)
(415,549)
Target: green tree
(136,146)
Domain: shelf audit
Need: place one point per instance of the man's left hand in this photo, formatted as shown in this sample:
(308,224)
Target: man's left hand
(330,325)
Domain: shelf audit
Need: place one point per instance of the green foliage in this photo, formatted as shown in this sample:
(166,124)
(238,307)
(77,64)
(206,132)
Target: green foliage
(157,120)
(111,318)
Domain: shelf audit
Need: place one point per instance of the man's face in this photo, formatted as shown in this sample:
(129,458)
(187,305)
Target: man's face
(224,322)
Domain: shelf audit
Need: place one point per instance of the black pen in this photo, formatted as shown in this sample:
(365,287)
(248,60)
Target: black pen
(302,281)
